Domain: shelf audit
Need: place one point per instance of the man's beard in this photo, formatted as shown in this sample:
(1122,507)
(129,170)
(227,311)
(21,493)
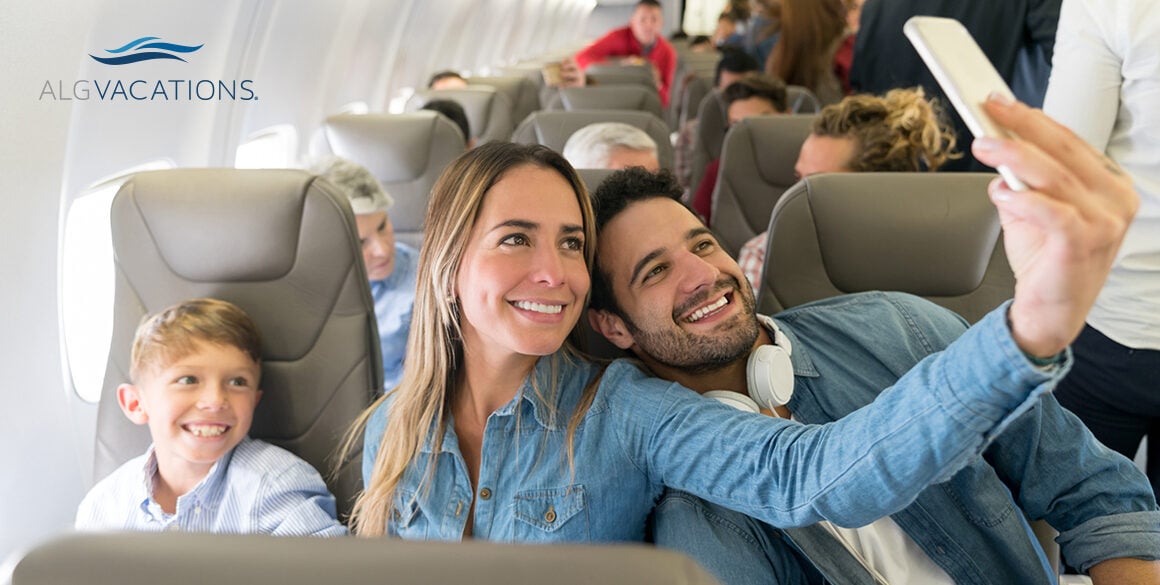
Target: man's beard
(702,353)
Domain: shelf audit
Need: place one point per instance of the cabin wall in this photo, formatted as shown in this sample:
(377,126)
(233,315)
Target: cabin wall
(43,440)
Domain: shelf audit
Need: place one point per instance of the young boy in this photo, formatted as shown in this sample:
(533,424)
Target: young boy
(195,370)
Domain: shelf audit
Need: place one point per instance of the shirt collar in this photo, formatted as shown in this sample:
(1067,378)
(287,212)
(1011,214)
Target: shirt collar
(196,496)
(560,377)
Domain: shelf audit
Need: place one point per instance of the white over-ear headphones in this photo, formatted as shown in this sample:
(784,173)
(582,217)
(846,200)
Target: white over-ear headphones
(768,374)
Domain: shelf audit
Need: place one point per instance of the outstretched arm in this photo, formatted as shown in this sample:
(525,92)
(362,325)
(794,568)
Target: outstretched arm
(1062,234)
(1126,572)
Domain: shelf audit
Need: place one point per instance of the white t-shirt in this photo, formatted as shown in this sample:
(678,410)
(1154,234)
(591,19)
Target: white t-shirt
(1105,85)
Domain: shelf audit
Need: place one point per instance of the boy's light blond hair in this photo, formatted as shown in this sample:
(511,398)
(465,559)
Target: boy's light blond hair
(173,333)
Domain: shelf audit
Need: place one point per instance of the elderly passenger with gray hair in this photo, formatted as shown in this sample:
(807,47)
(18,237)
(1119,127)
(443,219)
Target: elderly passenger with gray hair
(391,266)
(611,145)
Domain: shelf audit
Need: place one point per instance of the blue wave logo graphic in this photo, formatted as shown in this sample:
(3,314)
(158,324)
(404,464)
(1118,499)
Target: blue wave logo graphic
(145,49)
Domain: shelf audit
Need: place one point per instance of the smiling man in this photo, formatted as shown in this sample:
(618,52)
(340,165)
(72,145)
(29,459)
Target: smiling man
(665,290)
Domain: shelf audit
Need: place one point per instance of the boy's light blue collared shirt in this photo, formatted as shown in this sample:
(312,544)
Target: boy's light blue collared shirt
(642,434)
(255,488)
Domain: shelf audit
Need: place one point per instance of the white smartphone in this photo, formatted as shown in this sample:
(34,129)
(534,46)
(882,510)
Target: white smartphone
(964,72)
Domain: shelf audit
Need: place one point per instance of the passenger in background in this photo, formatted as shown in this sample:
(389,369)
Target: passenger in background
(844,56)
(500,431)
(884,59)
(454,111)
(1104,87)
(701,44)
(195,369)
(447,80)
(755,95)
(639,42)
(806,53)
(819,362)
(611,145)
(763,29)
(735,63)
(902,131)
(728,30)
(391,265)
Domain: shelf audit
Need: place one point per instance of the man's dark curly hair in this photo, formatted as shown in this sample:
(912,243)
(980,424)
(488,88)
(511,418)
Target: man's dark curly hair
(617,192)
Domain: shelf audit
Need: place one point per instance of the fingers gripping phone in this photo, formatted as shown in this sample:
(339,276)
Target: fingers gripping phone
(964,73)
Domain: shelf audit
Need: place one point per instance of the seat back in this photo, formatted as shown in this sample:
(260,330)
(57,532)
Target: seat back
(489,112)
(935,235)
(552,129)
(607,74)
(610,97)
(800,100)
(520,90)
(709,137)
(280,244)
(254,559)
(757,162)
(693,94)
(405,152)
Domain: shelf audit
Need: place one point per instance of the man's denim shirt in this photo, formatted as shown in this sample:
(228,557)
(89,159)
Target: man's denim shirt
(641,434)
(844,349)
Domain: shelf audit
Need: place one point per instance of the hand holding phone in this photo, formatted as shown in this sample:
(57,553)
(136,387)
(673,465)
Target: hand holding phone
(964,73)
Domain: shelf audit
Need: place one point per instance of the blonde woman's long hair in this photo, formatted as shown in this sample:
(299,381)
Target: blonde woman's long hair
(421,401)
(900,131)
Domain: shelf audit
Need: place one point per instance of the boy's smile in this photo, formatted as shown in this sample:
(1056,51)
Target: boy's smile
(198,407)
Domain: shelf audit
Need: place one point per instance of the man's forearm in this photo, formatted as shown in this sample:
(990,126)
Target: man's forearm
(1126,572)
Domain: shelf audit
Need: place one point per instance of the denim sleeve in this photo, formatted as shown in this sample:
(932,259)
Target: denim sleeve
(1100,502)
(851,472)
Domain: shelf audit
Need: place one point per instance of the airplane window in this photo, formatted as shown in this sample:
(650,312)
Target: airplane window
(87,283)
(272,148)
(355,108)
(399,102)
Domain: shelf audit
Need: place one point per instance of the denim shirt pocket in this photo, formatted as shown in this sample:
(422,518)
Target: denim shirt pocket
(405,514)
(558,514)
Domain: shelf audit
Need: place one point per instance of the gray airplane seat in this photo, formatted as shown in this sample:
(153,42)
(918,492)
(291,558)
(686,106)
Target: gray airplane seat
(714,123)
(800,100)
(552,129)
(689,103)
(405,152)
(489,111)
(757,166)
(935,235)
(282,245)
(224,559)
(521,91)
(708,137)
(609,97)
(612,74)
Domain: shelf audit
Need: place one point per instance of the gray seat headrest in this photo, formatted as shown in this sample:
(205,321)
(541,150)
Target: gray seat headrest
(935,235)
(405,152)
(552,129)
(282,245)
(757,166)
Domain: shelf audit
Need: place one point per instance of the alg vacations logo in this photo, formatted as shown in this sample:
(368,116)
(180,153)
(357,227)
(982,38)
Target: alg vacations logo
(154,90)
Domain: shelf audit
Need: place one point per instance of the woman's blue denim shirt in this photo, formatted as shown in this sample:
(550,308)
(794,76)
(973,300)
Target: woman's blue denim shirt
(642,434)
(1044,465)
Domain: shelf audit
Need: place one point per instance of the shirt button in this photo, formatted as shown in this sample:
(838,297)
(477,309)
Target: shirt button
(485,494)
(550,515)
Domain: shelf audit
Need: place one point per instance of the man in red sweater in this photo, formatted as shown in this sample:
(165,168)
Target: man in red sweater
(641,39)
